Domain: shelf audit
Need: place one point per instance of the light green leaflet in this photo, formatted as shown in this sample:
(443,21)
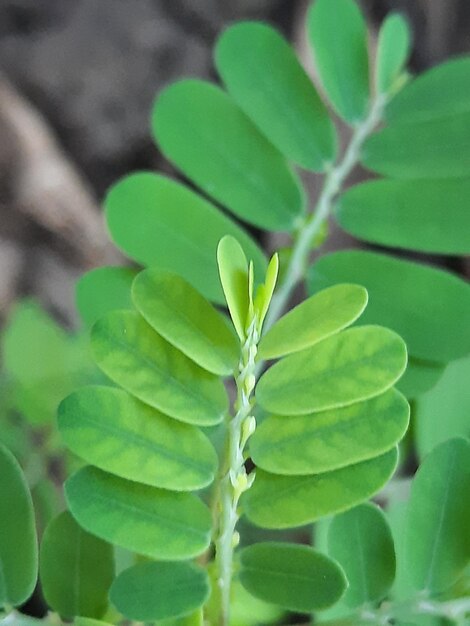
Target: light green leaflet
(338,36)
(390,212)
(132,354)
(204,133)
(296,577)
(154,591)
(361,542)
(329,440)
(175,229)
(393,49)
(246,610)
(283,103)
(441,91)
(289,501)
(76,569)
(419,377)
(119,434)
(102,290)
(265,291)
(233,271)
(186,320)
(354,365)
(423,304)
(314,319)
(444,411)
(18,543)
(153,522)
(437,539)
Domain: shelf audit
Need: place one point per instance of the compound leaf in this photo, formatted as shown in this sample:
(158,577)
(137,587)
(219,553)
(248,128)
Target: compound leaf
(354,365)
(154,591)
(76,569)
(393,49)
(233,270)
(153,522)
(296,577)
(283,103)
(119,434)
(132,354)
(204,133)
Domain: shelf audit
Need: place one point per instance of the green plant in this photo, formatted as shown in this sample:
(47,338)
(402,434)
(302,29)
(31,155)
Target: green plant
(195,438)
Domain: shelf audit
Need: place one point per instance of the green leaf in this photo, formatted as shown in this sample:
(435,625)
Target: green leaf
(393,50)
(420,376)
(204,133)
(265,291)
(76,569)
(295,577)
(444,411)
(283,103)
(153,591)
(132,354)
(289,501)
(233,271)
(314,319)
(159,222)
(438,148)
(309,444)
(186,319)
(361,542)
(103,290)
(439,92)
(338,36)
(354,365)
(437,541)
(390,213)
(153,522)
(117,433)
(423,304)
(246,610)
(18,543)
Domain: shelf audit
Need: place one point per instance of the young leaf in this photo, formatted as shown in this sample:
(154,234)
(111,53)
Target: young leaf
(115,432)
(204,133)
(103,290)
(133,355)
(423,304)
(289,501)
(18,543)
(296,577)
(233,270)
(153,522)
(186,319)
(338,36)
(437,541)
(154,591)
(314,319)
(76,569)
(265,291)
(361,542)
(329,440)
(419,377)
(175,229)
(393,49)
(354,365)
(283,102)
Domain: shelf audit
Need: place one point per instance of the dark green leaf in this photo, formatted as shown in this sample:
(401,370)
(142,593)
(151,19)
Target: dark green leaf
(233,271)
(348,367)
(338,36)
(289,501)
(393,49)
(153,591)
(204,133)
(159,222)
(153,522)
(282,102)
(76,569)
(132,354)
(423,304)
(308,444)
(295,577)
(117,433)
(420,376)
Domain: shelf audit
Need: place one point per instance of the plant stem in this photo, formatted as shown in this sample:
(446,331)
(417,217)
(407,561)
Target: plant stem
(334,180)
(235,479)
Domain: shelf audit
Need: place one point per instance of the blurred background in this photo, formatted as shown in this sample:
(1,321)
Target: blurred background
(77,82)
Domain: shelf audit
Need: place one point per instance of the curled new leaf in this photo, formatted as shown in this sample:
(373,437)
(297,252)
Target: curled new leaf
(233,271)
(393,49)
